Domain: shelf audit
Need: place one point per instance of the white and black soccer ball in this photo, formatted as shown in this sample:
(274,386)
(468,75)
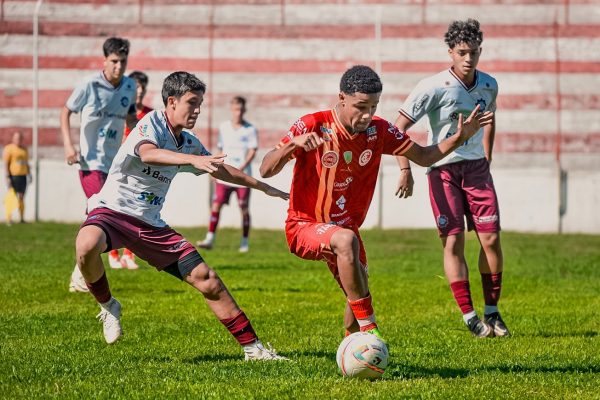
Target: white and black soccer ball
(362,355)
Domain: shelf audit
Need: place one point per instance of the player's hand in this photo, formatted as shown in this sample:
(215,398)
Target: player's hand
(308,141)
(71,155)
(405,184)
(469,127)
(271,191)
(209,163)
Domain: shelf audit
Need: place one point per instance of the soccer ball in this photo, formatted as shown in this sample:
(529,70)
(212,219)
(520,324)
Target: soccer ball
(362,355)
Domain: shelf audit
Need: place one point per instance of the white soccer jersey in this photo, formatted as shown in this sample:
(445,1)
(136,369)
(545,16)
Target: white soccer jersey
(103,111)
(139,189)
(442,97)
(236,143)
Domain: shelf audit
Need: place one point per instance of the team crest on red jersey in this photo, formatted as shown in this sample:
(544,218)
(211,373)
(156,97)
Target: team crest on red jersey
(365,157)
(330,159)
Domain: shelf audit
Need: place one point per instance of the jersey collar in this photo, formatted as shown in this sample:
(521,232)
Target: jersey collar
(170,128)
(475,81)
(340,127)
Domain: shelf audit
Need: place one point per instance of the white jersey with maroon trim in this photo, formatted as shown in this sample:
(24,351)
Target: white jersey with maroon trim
(442,97)
(103,109)
(236,143)
(138,189)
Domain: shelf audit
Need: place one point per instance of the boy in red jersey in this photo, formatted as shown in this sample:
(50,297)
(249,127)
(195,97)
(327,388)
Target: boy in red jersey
(337,154)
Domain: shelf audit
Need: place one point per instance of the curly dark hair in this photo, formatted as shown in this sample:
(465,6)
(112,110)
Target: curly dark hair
(361,79)
(464,32)
(179,83)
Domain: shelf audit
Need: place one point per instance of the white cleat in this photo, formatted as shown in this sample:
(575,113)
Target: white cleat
(128,262)
(114,262)
(244,247)
(77,283)
(110,316)
(257,351)
(205,244)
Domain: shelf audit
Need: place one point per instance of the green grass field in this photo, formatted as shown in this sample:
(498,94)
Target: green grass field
(52,346)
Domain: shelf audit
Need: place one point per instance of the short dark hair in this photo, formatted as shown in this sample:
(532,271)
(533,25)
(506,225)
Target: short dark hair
(464,32)
(140,77)
(115,45)
(179,83)
(361,79)
(239,100)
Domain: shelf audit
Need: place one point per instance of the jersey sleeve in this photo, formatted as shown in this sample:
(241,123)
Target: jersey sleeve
(418,102)
(198,150)
(492,106)
(78,97)
(144,132)
(303,125)
(253,138)
(396,142)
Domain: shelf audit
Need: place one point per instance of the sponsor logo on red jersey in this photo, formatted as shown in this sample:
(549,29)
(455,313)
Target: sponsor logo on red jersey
(365,157)
(330,159)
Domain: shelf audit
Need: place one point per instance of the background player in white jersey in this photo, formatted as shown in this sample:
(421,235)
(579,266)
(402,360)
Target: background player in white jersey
(106,101)
(239,140)
(126,212)
(460,185)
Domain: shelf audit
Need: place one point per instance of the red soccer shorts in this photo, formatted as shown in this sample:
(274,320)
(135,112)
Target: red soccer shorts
(312,241)
(92,181)
(223,193)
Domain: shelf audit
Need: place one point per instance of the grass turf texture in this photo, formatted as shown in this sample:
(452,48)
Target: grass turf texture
(173,346)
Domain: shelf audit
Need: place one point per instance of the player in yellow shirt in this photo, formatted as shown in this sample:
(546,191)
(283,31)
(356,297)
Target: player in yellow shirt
(16,166)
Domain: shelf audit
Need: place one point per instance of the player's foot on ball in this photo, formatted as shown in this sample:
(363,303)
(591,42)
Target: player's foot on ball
(114,262)
(376,332)
(77,283)
(257,351)
(205,244)
(110,316)
(479,328)
(128,262)
(495,321)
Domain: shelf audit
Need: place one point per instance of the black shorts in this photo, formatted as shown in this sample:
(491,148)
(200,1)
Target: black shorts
(19,183)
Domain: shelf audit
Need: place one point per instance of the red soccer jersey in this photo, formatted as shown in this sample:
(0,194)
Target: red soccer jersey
(335,183)
(139,115)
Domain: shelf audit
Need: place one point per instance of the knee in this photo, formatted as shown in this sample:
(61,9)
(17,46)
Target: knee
(85,248)
(206,281)
(490,241)
(454,245)
(345,243)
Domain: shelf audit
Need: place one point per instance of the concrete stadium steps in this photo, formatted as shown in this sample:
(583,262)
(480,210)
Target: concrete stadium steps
(286,56)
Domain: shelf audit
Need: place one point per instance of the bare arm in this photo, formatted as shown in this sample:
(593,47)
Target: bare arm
(71,155)
(426,156)
(406,181)
(231,174)
(152,155)
(276,159)
(489,134)
(249,157)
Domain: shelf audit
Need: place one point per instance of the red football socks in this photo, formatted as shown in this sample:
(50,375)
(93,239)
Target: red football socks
(462,294)
(214,221)
(492,285)
(241,328)
(100,289)
(363,312)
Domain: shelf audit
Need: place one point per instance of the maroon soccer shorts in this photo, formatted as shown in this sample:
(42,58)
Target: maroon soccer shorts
(464,189)
(312,241)
(223,193)
(162,248)
(92,181)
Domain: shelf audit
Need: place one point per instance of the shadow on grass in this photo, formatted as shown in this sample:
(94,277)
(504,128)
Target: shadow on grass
(212,358)
(416,372)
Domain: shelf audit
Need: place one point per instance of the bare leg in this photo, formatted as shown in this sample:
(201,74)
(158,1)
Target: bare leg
(455,265)
(218,298)
(90,243)
(491,260)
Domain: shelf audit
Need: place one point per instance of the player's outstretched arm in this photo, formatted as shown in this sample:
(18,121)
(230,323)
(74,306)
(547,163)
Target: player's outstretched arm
(71,155)
(426,156)
(231,174)
(275,160)
(152,155)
